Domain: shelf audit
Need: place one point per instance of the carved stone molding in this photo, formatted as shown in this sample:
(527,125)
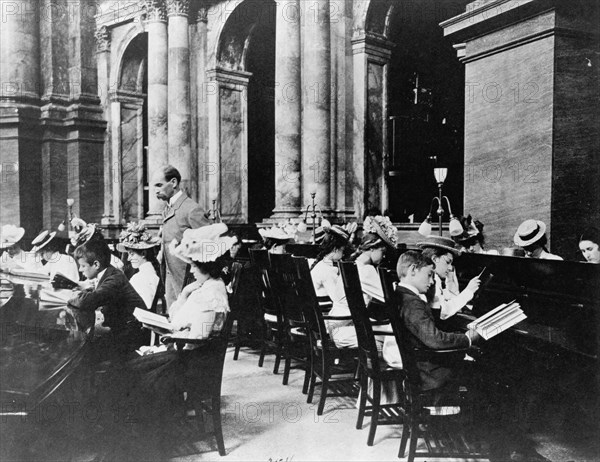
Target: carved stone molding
(155,10)
(202,15)
(102,39)
(178,7)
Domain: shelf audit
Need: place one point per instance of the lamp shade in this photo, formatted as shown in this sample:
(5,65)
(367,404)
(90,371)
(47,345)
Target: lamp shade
(70,202)
(425,228)
(302,227)
(440,174)
(456,228)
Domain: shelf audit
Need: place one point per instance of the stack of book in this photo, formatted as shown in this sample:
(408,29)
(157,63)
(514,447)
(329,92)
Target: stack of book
(498,320)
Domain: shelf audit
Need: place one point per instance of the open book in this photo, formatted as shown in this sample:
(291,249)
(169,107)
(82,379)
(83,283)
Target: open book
(498,320)
(55,297)
(29,273)
(60,281)
(153,321)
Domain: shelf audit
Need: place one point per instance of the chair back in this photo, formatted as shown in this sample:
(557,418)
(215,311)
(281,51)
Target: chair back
(367,347)
(284,280)
(320,341)
(394,306)
(259,257)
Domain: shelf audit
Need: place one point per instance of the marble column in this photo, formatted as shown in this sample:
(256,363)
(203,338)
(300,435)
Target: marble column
(158,101)
(316,115)
(288,101)
(179,115)
(202,106)
(19,115)
(103,63)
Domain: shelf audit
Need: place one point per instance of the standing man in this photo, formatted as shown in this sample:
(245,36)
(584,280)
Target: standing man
(181,213)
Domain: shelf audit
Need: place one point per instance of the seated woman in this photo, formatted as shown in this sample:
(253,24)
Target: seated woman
(323,269)
(277,237)
(12,255)
(379,235)
(444,295)
(472,239)
(531,236)
(141,249)
(199,311)
(589,243)
(47,246)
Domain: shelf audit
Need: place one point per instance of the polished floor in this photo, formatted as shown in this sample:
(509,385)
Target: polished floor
(263,421)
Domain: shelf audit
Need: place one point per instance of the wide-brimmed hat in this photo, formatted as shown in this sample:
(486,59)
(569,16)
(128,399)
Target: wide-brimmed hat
(83,232)
(204,244)
(382,227)
(42,240)
(10,235)
(284,233)
(137,238)
(343,231)
(472,230)
(439,242)
(529,232)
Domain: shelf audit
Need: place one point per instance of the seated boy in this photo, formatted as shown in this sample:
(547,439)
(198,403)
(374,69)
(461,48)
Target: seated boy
(116,298)
(416,275)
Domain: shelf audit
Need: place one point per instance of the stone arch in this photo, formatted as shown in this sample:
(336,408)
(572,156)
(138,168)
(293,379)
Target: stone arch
(118,51)
(373,16)
(132,65)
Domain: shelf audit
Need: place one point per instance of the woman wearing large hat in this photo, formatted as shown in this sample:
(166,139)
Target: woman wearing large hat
(12,256)
(276,237)
(531,236)
(141,249)
(48,246)
(85,232)
(445,296)
(379,236)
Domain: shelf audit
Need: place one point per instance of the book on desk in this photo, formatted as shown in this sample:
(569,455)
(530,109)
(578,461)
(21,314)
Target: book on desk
(498,320)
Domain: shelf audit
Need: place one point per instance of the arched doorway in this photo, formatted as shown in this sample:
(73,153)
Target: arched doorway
(130,131)
(245,75)
(425,109)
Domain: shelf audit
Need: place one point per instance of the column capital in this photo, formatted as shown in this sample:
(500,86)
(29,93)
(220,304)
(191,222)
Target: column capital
(155,10)
(178,7)
(202,15)
(102,39)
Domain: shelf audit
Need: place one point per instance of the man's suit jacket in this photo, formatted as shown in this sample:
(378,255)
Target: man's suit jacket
(419,321)
(117,299)
(184,214)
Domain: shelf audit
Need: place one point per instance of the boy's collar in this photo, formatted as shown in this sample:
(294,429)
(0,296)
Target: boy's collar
(409,287)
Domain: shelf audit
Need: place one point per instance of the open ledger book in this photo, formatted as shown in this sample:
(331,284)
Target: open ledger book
(153,321)
(498,320)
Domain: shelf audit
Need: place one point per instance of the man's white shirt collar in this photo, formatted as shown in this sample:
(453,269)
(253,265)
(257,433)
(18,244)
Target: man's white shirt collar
(174,198)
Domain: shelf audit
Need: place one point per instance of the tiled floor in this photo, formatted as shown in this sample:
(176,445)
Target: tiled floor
(262,420)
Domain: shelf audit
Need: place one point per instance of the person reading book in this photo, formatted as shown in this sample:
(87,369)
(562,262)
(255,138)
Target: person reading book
(445,296)
(199,311)
(107,289)
(416,276)
(47,247)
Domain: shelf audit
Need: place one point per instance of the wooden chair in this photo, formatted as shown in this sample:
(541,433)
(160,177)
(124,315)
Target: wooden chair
(296,347)
(329,364)
(444,439)
(274,331)
(372,366)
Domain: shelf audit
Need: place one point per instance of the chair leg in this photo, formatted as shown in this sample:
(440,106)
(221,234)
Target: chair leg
(375,411)
(324,386)
(216,416)
(278,357)
(311,387)
(363,400)
(307,374)
(414,437)
(236,352)
(404,440)
(286,368)
(263,350)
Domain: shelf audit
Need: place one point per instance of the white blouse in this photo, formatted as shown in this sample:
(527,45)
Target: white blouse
(198,311)
(450,300)
(145,283)
(325,277)
(64,264)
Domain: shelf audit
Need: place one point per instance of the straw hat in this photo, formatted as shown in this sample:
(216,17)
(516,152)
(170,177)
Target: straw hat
(83,231)
(439,242)
(204,244)
(137,238)
(10,235)
(382,227)
(343,231)
(279,233)
(529,232)
(42,240)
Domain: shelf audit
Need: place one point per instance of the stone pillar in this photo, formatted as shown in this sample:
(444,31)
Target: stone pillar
(316,115)
(202,106)
(288,100)
(371,59)
(531,121)
(179,92)
(158,101)
(103,63)
(21,183)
